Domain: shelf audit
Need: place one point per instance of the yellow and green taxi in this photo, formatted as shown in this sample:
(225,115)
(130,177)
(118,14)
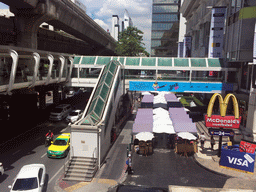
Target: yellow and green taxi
(60,147)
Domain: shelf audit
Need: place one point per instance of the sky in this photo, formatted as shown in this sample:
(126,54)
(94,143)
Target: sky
(101,12)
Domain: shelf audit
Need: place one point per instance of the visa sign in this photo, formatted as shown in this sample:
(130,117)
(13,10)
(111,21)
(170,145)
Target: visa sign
(237,160)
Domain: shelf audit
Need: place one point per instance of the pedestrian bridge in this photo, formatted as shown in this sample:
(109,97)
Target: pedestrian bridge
(27,68)
(171,74)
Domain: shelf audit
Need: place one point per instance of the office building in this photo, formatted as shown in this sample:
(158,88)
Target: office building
(115,27)
(165,28)
(127,22)
(233,41)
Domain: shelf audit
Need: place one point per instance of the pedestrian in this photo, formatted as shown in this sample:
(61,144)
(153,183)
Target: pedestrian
(202,140)
(26,73)
(129,164)
(212,142)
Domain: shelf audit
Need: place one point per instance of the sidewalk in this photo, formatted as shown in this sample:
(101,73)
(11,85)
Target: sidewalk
(112,171)
(209,160)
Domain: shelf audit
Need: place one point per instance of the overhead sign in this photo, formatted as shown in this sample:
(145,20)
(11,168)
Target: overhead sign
(217,32)
(223,132)
(179,86)
(222,120)
(247,147)
(237,160)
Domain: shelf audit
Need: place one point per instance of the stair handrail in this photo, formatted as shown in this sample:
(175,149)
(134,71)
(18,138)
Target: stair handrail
(68,161)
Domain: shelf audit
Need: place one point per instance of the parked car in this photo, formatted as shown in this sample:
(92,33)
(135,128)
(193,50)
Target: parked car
(60,147)
(1,169)
(74,115)
(71,93)
(30,178)
(60,112)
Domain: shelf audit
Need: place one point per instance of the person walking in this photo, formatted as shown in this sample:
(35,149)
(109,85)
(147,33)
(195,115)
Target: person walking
(129,164)
(202,140)
(212,142)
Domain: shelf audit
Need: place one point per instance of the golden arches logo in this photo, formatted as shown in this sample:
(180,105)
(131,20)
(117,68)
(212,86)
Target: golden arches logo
(223,105)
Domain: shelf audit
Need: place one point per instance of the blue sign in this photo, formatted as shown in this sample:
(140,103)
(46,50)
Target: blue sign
(237,160)
(179,86)
(221,132)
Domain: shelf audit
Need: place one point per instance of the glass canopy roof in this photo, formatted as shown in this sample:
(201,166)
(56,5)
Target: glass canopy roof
(151,61)
(99,101)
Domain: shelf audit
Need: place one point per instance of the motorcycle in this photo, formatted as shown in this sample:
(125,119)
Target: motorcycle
(48,141)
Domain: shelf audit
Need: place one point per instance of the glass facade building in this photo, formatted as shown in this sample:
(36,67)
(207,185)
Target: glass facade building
(165,28)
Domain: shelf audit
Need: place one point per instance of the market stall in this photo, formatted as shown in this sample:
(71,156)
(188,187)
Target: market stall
(186,143)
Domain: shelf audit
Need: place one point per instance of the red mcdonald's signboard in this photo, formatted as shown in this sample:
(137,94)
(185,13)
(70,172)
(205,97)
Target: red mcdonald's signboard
(223,121)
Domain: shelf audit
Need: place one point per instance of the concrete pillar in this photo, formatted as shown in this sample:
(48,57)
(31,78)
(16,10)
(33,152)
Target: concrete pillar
(27,23)
(56,97)
(251,117)
(42,100)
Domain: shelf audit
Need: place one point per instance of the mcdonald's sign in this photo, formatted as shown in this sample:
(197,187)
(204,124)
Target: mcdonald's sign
(223,121)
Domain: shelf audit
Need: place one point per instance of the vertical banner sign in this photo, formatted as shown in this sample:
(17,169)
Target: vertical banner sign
(217,32)
(180,49)
(254,46)
(187,46)
(254,60)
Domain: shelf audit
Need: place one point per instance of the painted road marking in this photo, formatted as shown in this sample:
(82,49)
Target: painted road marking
(16,152)
(43,155)
(38,138)
(56,174)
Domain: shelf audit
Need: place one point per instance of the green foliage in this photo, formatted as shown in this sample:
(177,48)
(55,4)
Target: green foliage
(184,102)
(130,43)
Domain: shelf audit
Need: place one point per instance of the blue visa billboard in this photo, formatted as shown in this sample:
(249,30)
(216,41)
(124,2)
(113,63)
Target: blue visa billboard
(179,86)
(237,160)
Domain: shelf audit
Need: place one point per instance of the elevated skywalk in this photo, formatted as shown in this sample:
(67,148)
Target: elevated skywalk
(210,72)
(27,68)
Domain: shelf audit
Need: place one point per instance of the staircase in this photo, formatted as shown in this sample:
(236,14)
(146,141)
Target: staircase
(81,169)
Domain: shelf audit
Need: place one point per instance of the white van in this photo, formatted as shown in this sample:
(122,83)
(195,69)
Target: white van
(60,112)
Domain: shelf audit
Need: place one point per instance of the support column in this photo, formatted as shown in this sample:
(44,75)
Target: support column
(251,117)
(56,98)
(42,100)
(27,23)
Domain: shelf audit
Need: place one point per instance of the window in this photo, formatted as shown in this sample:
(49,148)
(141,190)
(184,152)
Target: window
(158,43)
(162,26)
(165,8)
(164,17)
(165,1)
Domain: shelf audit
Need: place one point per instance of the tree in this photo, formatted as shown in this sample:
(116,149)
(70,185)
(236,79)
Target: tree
(130,43)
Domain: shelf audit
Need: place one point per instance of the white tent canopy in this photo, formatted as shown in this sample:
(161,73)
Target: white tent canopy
(163,128)
(144,136)
(160,111)
(186,135)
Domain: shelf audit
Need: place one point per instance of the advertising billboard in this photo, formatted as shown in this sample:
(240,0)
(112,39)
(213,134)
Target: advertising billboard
(179,86)
(222,120)
(225,122)
(247,147)
(237,160)
(217,32)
